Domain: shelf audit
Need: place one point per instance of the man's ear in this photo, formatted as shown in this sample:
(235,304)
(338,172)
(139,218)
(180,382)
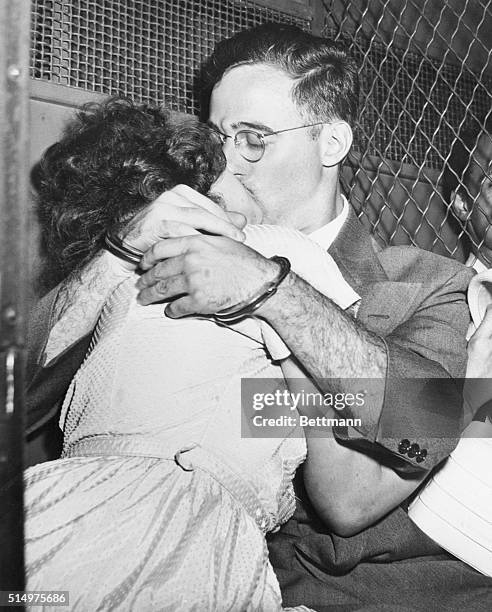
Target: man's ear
(460,206)
(335,140)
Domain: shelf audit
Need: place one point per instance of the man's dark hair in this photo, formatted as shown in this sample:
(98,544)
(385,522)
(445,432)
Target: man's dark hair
(326,84)
(114,158)
(458,167)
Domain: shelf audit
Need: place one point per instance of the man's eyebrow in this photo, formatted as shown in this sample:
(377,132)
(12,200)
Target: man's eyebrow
(241,125)
(260,127)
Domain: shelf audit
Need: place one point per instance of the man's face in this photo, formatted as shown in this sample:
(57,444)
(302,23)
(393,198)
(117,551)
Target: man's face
(479,186)
(288,182)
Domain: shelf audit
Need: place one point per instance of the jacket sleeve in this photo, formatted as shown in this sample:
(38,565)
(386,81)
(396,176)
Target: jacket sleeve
(420,416)
(46,387)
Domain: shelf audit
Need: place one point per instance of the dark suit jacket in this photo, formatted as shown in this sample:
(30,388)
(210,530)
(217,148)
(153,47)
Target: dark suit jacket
(46,387)
(416,302)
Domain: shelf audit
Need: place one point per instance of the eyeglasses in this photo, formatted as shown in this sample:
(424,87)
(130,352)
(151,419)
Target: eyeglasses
(251,144)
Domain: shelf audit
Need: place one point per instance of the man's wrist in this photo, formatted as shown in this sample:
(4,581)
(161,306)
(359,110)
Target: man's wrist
(122,250)
(249,307)
(275,309)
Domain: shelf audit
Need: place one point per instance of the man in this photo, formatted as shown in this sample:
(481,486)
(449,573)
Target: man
(468,181)
(284,102)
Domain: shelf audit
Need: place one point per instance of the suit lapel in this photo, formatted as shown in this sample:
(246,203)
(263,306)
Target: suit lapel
(384,303)
(354,253)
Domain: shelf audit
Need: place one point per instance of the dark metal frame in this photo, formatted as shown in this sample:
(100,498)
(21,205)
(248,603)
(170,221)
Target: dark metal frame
(14,205)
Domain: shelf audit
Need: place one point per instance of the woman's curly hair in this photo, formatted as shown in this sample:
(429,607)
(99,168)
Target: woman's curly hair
(114,158)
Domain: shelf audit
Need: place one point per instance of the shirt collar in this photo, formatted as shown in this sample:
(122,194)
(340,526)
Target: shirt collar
(326,235)
(475,263)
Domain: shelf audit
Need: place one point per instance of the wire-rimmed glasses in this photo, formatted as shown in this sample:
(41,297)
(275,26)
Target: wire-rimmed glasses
(251,143)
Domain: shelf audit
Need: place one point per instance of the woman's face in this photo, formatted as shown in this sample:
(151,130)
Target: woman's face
(229,193)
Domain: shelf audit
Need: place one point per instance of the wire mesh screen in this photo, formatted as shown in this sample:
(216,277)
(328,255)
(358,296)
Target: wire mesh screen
(149,50)
(426,79)
(426,74)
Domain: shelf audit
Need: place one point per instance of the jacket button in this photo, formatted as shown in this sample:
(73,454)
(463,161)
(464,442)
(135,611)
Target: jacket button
(421,455)
(413,450)
(403,446)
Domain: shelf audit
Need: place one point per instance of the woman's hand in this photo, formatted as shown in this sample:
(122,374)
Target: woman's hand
(181,211)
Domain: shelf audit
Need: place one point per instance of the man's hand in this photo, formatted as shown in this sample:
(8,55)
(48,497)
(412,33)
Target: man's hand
(181,211)
(210,273)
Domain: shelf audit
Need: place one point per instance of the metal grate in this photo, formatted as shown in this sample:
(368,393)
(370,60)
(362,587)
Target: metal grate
(426,75)
(149,50)
(406,96)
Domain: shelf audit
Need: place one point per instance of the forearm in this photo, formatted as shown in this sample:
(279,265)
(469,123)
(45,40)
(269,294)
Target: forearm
(333,349)
(349,489)
(411,401)
(79,302)
(326,340)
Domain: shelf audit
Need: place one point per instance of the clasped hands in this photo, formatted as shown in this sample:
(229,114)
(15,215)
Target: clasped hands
(202,273)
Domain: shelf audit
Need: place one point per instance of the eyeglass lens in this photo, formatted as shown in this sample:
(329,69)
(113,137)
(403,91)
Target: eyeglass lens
(250,145)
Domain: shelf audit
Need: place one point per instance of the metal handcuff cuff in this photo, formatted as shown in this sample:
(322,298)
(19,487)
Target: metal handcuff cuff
(117,248)
(233,314)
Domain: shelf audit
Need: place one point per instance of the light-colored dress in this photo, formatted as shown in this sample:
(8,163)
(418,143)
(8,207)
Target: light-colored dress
(158,503)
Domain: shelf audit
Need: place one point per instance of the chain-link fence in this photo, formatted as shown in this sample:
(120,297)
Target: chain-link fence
(426,83)
(426,77)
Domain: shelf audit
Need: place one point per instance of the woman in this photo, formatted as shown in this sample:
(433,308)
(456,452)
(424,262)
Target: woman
(157,501)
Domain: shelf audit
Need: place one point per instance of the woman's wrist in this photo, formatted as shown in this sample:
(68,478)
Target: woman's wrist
(129,256)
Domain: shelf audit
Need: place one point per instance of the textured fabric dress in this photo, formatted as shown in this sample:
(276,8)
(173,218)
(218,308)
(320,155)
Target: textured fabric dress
(158,503)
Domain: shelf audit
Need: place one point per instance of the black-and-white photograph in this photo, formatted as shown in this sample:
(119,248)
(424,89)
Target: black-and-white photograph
(246,305)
